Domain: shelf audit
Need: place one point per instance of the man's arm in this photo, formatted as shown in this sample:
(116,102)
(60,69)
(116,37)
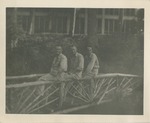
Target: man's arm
(63,65)
(91,64)
(53,71)
(81,63)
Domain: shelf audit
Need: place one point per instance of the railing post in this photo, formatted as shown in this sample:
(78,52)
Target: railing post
(117,80)
(92,89)
(62,93)
(9,100)
(117,91)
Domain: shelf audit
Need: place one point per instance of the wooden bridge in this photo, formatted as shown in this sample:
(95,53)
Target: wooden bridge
(65,96)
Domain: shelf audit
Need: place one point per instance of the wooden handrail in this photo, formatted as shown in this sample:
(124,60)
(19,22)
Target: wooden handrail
(34,83)
(117,74)
(23,76)
(39,75)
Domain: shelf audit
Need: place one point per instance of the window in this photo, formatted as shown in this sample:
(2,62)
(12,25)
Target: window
(116,11)
(111,11)
(99,11)
(45,24)
(129,12)
(111,26)
(80,25)
(127,26)
(107,11)
(41,24)
(24,22)
(59,24)
(107,24)
(81,11)
(116,25)
(24,10)
(99,24)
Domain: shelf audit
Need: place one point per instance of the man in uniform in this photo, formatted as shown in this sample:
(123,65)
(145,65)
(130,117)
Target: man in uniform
(59,66)
(76,64)
(92,63)
(58,69)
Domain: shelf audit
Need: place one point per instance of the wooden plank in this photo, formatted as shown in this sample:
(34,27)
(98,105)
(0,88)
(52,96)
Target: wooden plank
(24,76)
(27,98)
(99,75)
(115,74)
(34,105)
(30,104)
(62,93)
(105,92)
(78,97)
(98,89)
(26,84)
(78,108)
(43,105)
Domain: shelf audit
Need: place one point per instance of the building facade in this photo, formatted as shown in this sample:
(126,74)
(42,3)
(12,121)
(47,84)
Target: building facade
(61,20)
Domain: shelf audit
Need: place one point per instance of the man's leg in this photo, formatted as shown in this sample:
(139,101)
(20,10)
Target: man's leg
(41,88)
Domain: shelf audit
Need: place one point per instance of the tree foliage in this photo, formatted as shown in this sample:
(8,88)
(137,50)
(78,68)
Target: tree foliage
(14,32)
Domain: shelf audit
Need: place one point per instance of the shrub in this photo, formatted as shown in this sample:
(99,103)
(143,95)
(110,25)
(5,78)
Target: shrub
(34,53)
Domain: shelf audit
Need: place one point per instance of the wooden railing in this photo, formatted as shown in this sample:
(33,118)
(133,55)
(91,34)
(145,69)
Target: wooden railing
(24,96)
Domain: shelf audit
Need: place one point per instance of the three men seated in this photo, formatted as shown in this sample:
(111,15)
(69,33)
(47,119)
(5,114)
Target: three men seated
(75,65)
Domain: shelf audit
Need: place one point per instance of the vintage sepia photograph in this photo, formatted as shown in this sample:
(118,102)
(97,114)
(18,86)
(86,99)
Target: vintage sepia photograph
(74,61)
